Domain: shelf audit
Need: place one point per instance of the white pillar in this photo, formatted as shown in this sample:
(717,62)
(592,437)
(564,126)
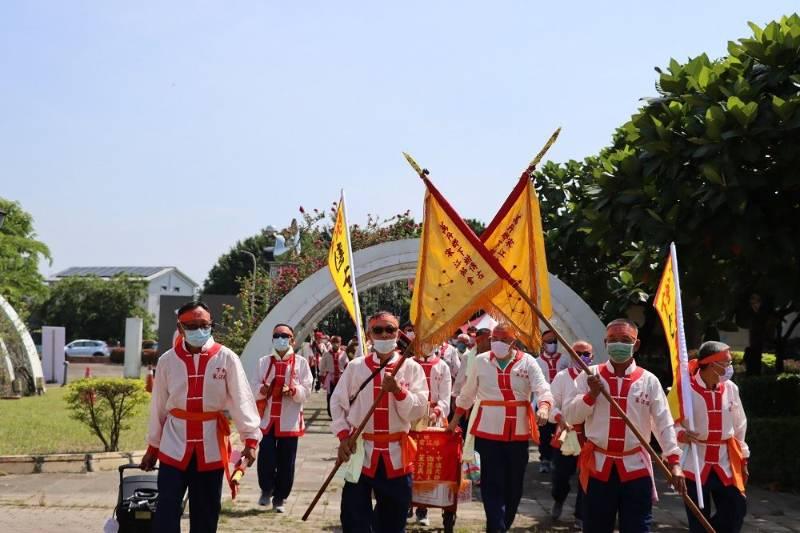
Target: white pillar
(133,347)
(53,353)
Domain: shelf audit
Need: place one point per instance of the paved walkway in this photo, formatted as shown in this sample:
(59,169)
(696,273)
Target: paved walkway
(80,503)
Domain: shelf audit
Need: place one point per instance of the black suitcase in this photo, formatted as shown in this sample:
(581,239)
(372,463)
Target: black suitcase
(136,501)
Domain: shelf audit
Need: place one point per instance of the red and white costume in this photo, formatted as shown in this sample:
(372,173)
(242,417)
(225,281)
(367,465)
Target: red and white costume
(505,411)
(449,354)
(437,376)
(563,389)
(186,410)
(284,412)
(552,364)
(386,432)
(331,367)
(721,424)
(608,439)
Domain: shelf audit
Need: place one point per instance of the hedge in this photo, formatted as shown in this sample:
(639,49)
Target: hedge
(773,452)
(770,396)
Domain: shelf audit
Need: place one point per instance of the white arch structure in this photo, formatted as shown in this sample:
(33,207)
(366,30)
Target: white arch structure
(23,354)
(316,296)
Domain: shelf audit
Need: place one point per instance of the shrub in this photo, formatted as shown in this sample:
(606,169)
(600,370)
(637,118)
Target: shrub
(105,405)
(770,395)
(773,456)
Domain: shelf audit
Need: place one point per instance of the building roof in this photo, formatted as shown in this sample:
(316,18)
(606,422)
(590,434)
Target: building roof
(144,272)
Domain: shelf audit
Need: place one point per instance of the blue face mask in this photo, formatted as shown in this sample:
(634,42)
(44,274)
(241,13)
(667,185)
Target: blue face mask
(280,344)
(197,337)
(619,352)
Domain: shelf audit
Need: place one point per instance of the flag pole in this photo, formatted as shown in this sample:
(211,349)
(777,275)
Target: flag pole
(685,392)
(356,304)
(423,173)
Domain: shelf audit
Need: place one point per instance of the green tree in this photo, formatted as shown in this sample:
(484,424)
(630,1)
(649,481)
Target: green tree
(475,225)
(20,252)
(232,267)
(105,405)
(91,307)
(711,164)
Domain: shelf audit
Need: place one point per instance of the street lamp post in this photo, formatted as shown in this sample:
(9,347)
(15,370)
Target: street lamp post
(253,290)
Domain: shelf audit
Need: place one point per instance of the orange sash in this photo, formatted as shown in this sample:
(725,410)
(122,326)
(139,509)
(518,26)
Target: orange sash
(517,403)
(223,434)
(408,447)
(736,458)
(586,460)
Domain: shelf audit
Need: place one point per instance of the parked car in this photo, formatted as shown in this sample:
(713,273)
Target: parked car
(87,347)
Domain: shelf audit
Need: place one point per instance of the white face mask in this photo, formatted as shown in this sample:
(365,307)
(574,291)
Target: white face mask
(501,349)
(727,375)
(384,346)
(550,347)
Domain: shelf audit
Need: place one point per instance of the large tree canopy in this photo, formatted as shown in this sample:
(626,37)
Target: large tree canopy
(712,164)
(20,252)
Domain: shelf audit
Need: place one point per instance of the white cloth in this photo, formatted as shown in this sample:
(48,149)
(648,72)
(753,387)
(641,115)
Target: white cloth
(224,386)
(437,375)
(326,369)
(492,422)
(558,361)
(449,354)
(466,362)
(394,416)
(646,407)
(733,424)
(290,408)
(563,390)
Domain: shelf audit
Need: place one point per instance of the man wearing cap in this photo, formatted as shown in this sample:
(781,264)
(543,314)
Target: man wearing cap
(331,367)
(283,384)
(388,453)
(503,380)
(616,473)
(188,433)
(551,362)
(720,425)
(564,466)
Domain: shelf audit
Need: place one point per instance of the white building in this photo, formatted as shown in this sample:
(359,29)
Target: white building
(161,281)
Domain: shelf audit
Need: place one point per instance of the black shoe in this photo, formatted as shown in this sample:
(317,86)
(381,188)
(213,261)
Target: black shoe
(555,512)
(449,521)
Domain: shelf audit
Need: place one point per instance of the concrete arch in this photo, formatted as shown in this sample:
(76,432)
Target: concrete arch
(316,296)
(18,347)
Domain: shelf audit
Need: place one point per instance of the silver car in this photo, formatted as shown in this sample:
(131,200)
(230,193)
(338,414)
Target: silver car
(87,347)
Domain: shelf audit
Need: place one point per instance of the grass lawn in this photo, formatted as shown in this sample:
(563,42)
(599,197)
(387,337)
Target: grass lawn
(41,424)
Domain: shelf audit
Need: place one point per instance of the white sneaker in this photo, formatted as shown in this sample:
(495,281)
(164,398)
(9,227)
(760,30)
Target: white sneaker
(278,506)
(424,521)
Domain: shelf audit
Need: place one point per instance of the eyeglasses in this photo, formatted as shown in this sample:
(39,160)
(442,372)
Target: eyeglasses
(281,335)
(193,327)
(380,330)
(584,354)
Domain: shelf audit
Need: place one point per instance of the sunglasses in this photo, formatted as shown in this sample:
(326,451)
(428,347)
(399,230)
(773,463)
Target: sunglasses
(380,330)
(193,327)
(584,354)
(281,335)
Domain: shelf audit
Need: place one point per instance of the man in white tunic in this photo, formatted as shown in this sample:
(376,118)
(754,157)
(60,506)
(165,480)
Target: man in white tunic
(503,380)
(282,384)
(551,361)
(188,432)
(388,458)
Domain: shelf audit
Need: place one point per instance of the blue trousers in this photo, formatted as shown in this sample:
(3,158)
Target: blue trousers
(729,503)
(276,457)
(545,435)
(205,493)
(503,466)
(630,499)
(392,501)
(564,467)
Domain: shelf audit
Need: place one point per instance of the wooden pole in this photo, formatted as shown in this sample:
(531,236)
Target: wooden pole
(405,355)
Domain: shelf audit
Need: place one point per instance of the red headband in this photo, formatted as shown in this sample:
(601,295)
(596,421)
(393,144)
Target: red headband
(621,328)
(384,317)
(198,313)
(715,357)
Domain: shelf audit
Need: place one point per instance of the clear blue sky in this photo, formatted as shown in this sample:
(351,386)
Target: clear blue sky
(159,133)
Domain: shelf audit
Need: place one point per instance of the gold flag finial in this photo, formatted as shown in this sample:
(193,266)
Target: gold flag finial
(420,171)
(545,148)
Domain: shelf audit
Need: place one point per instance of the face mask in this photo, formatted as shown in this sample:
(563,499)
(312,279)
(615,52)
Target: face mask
(384,346)
(461,347)
(585,358)
(410,335)
(197,337)
(280,344)
(500,349)
(619,352)
(727,375)
(550,347)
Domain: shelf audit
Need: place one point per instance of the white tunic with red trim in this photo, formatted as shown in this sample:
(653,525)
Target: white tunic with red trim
(285,413)
(521,377)
(563,390)
(718,415)
(437,376)
(552,364)
(210,381)
(331,371)
(449,354)
(640,394)
(394,414)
